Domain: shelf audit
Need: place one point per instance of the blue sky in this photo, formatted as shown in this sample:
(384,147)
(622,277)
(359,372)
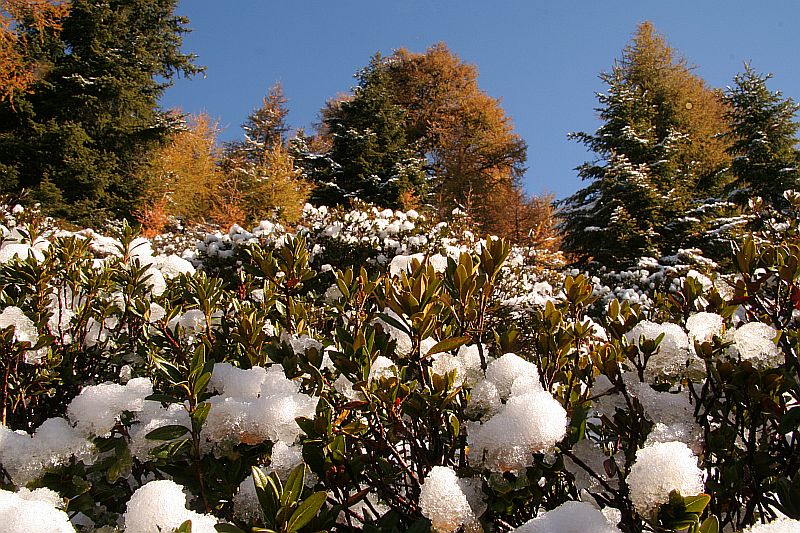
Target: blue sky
(542,59)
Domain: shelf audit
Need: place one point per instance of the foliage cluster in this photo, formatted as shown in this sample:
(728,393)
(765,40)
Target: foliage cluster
(279,404)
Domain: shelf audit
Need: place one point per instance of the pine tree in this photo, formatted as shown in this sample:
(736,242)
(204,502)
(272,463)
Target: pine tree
(82,137)
(764,135)
(659,156)
(371,156)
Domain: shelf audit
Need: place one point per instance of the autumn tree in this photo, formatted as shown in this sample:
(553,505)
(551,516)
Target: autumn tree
(420,109)
(660,156)
(461,131)
(81,137)
(261,178)
(22,21)
(763,131)
(184,173)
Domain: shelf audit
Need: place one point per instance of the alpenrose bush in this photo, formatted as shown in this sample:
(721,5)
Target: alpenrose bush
(286,388)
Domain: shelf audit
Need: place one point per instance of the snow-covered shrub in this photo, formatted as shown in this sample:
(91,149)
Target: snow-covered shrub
(468,389)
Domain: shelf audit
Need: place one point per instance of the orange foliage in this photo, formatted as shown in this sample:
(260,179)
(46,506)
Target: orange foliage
(16,72)
(154,218)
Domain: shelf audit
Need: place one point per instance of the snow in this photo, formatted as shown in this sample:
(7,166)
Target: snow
(96,410)
(442,501)
(754,342)
(502,372)
(660,469)
(781,525)
(32,512)
(528,423)
(26,457)
(569,517)
(161,506)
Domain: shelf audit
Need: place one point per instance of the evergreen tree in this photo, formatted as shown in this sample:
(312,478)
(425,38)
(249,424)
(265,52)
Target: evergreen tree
(82,137)
(418,130)
(659,157)
(763,131)
(371,156)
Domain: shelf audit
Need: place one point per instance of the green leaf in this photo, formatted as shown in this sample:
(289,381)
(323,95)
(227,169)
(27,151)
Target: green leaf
(200,415)
(710,525)
(696,504)
(186,527)
(227,528)
(392,321)
(268,495)
(172,374)
(455,424)
(202,381)
(447,344)
(170,432)
(294,486)
(163,398)
(306,511)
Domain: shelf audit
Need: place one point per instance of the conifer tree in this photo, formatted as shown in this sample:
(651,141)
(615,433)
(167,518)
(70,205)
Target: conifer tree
(763,131)
(659,156)
(419,130)
(82,136)
(371,156)
(262,179)
(184,173)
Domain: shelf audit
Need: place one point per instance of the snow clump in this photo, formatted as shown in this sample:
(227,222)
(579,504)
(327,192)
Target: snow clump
(569,517)
(245,503)
(25,457)
(97,408)
(703,326)
(673,352)
(442,501)
(658,470)
(528,423)
(781,525)
(754,342)
(161,506)
(32,511)
(505,370)
(255,405)
(24,331)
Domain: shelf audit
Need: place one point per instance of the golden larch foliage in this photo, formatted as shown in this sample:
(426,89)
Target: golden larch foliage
(17,73)
(184,174)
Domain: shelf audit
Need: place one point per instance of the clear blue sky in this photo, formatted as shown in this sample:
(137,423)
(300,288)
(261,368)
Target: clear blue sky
(541,58)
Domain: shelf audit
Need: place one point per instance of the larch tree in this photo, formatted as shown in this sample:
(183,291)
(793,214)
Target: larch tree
(763,132)
(660,155)
(462,132)
(17,70)
(184,173)
(81,137)
(262,179)
(418,131)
